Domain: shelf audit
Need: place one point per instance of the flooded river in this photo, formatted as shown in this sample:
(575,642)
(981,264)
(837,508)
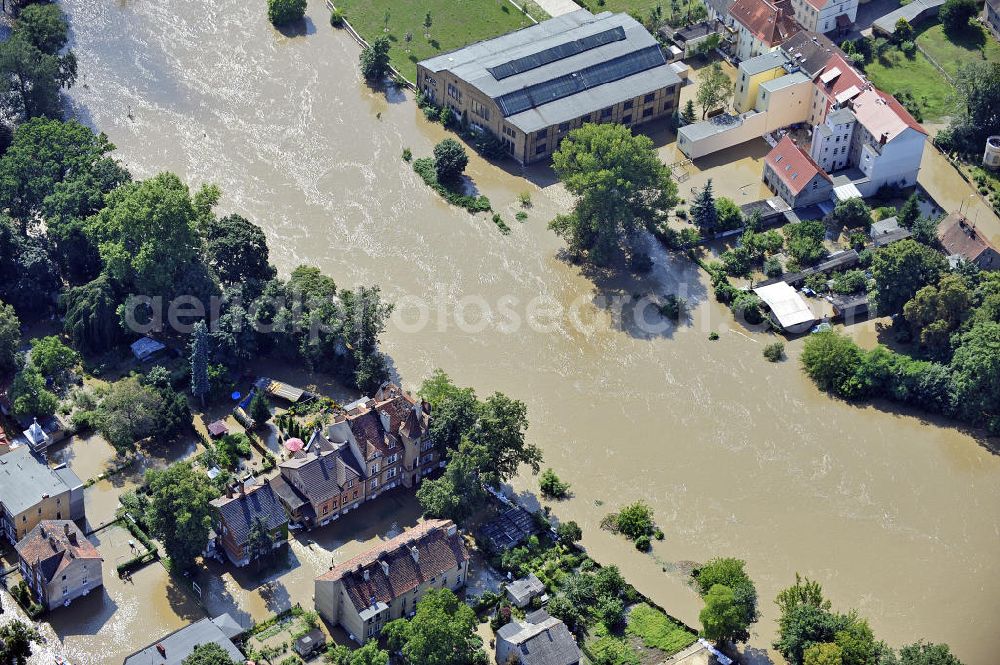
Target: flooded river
(896,516)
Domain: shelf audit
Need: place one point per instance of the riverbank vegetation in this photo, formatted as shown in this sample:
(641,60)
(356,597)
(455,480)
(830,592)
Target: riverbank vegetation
(635,522)
(444,174)
(285,12)
(483,442)
(621,188)
(433,27)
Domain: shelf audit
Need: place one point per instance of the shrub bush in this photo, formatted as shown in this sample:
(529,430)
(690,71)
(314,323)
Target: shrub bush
(774,352)
(283,12)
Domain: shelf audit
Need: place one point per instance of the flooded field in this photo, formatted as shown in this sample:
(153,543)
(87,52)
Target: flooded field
(897,516)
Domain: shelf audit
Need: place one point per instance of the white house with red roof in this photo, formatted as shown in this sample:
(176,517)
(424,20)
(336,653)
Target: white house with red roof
(794,176)
(761,26)
(825,15)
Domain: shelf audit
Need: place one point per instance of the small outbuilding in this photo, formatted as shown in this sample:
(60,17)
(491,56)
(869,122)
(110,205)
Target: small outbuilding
(787,307)
(218,429)
(310,643)
(521,592)
(147,348)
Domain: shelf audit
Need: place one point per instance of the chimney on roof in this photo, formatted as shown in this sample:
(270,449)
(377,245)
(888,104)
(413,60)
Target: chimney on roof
(367,575)
(415,553)
(162,649)
(883,138)
(385,567)
(229,491)
(243,489)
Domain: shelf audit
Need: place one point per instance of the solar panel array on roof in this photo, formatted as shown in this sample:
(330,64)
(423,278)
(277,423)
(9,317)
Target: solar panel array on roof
(558,52)
(585,79)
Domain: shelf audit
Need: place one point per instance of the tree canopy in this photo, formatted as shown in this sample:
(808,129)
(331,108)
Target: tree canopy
(32,70)
(450,160)
(16,637)
(285,12)
(10,336)
(731,574)
(714,88)
(443,632)
(375,59)
(179,512)
(236,249)
(209,654)
(620,185)
(900,270)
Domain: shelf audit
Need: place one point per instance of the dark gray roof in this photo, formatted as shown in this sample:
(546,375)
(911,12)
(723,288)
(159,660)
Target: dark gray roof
(546,642)
(178,645)
(240,512)
(24,479)
(912,12)
(287,493)
(322,475)
(562,68)
(763,62)
(810,51)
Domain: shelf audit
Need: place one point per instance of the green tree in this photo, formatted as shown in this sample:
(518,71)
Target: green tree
(16,637)
(927,653)
(635,520)
(498,437)
(909,213)
(551,486)
(937,310)
(903,32)
(259,408)
(29,397)
(285,12)
(731,573)
(688,115)
(260,542)
(728,214)
(30,77)
(977,87)
(955,14)
(852,213)
(831,360)
(620,185)
(823,654)
(199,362)
(428,22)
(375,59)
(179,512)
(369,654)
(704,212)
(569,533)
(10,336)
(91,320)
(450,160)
(236,249)
(52,357)
(976,374)
(129,412)
(722,617)
(900,270)
(454,410)
(805,241)
(209,654)
(44,154)
(443,632)
(147,236)
(714,88)
(28,275)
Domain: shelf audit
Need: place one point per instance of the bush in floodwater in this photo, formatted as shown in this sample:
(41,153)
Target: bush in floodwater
(524,198)
(450,160)
(520,215)
(774,352)
(502,225)
(424,167)
(673,307)
(283,12)
(642,544)
(407,155)
(337,18)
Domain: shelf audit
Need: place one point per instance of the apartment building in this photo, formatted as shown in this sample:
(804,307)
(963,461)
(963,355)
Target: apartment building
(30,492)
(59,563)
(531,87)
(825,16)
(761,26)
(385,583)
(794,176)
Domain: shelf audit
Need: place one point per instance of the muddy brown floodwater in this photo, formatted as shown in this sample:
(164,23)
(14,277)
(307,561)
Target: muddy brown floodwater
(896,516)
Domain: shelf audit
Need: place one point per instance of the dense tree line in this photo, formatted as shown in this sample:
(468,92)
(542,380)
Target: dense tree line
(953,321)
(483,442)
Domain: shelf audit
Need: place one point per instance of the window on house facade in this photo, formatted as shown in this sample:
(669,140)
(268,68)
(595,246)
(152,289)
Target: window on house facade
(564,127)
(647,113)
(648,98)
(540,149)
(454,93)
(605,113)
(374,483)
(585,118)
(629,104)
(541,135)
(627,119)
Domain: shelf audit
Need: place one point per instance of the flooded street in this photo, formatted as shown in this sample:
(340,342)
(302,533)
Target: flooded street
(896,516)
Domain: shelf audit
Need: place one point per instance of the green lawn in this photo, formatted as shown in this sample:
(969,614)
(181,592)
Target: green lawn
(896,73)
(642,8)
(454,23)
(657,630)
(951,52)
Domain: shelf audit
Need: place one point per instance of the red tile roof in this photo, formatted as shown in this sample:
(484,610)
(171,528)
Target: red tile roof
(770,22)
(957,236)
(793,165)
(54,545)
(846,77)
(439,548)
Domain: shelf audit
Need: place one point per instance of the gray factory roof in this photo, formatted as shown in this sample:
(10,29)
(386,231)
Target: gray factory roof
(763,62)
(175,647)
(25,480)
(562,68)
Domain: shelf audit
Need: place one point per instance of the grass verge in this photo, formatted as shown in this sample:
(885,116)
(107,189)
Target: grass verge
(657,630)
(453,25)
